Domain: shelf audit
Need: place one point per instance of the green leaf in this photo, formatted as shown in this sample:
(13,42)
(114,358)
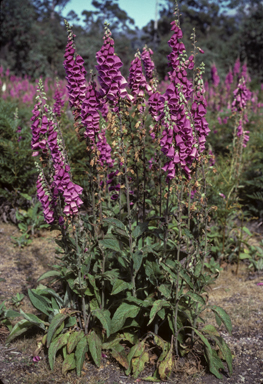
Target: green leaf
(10,313)
(111,244)
(34,319)
(227,354)
(247,231)
(166,366)
(119,286)
(73,340)
(115,222)
(157,306)
(95,345)
(19,328)
(119,354)
(39,302)
(195,297)
(223,316)
(55,323)
(81,349)
(137,258)
(138,231)
(104,317)
(165,290)
(69,363)
(124,311)
(49,274)
(138,363)
(212,361)
(56,344)
(135,351)
(210,330)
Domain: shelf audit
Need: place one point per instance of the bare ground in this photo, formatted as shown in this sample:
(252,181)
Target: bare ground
(239,295)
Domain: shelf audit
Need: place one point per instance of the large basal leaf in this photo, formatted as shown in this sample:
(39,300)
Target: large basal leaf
(227,354)
(212,361)
(73,340)
(34,320)
(138,364)
(49,274)
(56,344)
(123,312)
(118,352)
(10,313)
(166,365)
(39,302)
(69,363)
(19,328)
(136,351)
(104,317)
(81,349)
(95,346)
(55,323)
(221,313)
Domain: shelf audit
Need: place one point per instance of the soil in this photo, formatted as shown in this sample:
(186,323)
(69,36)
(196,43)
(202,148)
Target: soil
(238,294)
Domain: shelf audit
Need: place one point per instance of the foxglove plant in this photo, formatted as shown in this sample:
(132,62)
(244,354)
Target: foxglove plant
(133,261)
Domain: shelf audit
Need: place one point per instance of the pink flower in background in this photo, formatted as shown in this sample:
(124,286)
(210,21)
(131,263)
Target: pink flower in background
(214,76)
(222,195)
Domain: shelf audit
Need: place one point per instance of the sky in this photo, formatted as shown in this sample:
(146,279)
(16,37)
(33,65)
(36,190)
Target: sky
(142,11)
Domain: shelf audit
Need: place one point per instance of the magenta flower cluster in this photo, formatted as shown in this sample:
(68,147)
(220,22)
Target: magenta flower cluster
(147,62)
(180,141)
(241,95)
(59,103)
(113,84)
(45,139)
(75,72)
(137,81)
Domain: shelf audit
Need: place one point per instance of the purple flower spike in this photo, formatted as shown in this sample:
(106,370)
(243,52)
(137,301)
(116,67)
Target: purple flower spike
(147,62)
(214,76)
(137,81)
(59,103)
(113,84)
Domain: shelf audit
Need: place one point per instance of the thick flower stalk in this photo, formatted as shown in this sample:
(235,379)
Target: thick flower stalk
(113,84)
(137,81)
